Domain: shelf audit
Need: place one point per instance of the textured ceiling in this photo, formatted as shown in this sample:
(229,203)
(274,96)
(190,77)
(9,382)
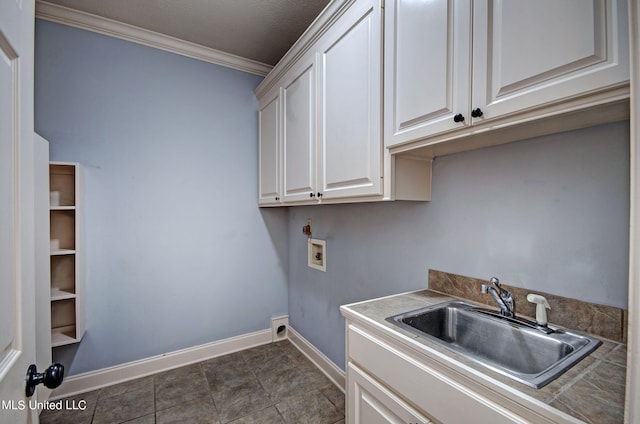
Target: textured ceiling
(261,30)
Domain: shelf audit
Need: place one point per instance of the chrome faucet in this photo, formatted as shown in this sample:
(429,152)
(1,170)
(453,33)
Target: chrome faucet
(505,300)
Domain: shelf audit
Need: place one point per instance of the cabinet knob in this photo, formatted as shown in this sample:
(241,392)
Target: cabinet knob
(51,378)
(312,195)
(458,118)
(476,113)
(319,194)
(277,198)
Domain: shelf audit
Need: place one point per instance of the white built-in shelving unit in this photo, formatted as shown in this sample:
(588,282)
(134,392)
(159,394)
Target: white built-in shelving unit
(66,182)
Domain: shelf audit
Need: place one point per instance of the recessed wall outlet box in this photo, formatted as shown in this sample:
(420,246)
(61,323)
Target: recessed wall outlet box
(317,254)
(279,328)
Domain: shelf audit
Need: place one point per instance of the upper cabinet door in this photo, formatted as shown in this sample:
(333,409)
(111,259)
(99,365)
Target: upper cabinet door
(350,146)
(427,67)
(529,53)
(298,138)
(269,151)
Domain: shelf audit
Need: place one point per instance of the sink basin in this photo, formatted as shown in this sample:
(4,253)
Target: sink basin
(511,347)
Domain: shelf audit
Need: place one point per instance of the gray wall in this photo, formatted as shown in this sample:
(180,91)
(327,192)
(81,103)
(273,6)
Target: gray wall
(550,213)
(178,253)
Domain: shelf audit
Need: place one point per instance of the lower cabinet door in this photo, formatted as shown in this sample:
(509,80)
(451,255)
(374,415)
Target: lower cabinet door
(369,402)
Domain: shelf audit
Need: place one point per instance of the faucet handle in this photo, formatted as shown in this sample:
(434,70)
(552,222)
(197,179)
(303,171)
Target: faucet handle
(495,281)
(484,288)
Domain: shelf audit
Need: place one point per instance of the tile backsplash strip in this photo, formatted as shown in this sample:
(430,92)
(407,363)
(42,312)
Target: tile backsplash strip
(599,320)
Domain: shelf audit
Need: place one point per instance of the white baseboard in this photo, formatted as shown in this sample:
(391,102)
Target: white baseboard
(319,359)
(92,380)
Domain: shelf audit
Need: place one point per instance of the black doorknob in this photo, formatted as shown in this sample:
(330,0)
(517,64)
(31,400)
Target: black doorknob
(51,378)
(476,113)
(458,118)
(312,195)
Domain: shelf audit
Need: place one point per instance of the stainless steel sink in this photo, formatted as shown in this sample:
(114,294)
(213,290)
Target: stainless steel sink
(513,347)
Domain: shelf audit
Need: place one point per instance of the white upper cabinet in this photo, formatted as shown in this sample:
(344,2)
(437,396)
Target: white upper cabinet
(530,53)
(427,67)
(454,64)
(458,75)
(299,135)
(350,147)
(269,151)
(321,118)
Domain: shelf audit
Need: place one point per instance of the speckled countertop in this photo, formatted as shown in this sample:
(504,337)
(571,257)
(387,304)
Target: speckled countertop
(592,390)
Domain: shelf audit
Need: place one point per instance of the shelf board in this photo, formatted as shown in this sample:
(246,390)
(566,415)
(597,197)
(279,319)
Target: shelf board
(62,208)
(59,338)
(57,294)
(58,252)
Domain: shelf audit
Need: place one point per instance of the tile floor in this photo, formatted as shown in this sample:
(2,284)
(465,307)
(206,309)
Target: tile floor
(273,383)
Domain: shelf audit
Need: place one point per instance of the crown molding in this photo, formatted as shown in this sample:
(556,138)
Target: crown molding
(87,21)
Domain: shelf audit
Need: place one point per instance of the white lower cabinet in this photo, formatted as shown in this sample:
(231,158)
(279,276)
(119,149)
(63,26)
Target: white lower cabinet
(372,403)
(390,382)
(432,391)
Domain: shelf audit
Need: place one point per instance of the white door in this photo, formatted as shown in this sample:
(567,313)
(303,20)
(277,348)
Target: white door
(350,147)
(530,53)
(299,132)
(269,152)
(17,297)
(42,258)
(427,66)
(369,402)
